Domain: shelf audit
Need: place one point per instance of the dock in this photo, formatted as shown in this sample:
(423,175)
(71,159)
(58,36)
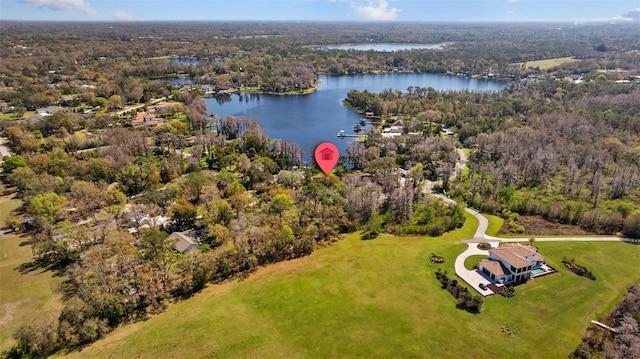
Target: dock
(341,134)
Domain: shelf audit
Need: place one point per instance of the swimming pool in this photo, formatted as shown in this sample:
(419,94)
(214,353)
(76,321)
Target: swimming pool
(537,271)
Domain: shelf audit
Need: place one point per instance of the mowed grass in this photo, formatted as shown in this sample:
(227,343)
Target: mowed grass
(8,206)
(29,297)
(549,63)
(495,223)
(379,298)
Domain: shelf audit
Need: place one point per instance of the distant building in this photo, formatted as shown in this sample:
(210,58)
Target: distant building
(145,118)
(48,111)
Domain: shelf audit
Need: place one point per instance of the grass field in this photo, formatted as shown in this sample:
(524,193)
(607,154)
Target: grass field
(379,298)
(549,63)
(8,205)
(495,223)
(24,297)
(28,297)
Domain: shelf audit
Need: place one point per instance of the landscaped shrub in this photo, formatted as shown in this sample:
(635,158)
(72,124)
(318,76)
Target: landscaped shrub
(484,246)
(505,291)
(436,258)
(467,301)
(578,269)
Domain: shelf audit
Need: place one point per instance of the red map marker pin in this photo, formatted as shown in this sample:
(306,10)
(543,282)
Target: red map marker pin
(327,155)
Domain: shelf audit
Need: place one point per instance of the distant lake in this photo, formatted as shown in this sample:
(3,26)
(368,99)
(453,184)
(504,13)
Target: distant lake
(382,47)
(184,60)
(317,117)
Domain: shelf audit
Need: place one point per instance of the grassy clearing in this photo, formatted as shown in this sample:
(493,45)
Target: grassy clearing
(28,297)
(8,206)
(472,261)
(24,297)
(380,298)
(495,224)
(14,115)
(549,63)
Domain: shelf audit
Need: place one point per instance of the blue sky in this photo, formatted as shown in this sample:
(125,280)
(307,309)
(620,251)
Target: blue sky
(322,10)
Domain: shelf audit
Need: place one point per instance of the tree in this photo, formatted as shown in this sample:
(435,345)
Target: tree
(631,226)
(195,182)
(46,208)
(115,102)
(86,197)
(281,203)
(159,249)
(184,215)
(13,162)
(116,200)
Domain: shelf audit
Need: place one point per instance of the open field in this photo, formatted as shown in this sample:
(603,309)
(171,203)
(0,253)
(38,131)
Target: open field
(24,297)
(8,205)
(28,297)
(379,298)
(549,63)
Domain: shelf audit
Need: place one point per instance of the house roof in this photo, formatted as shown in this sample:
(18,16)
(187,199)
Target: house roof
(494,267)
(184,241)
(516,255)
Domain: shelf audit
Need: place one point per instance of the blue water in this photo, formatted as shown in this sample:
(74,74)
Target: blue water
(382,47)
(537,271)
(317,117)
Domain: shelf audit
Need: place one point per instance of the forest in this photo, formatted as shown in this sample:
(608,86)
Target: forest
(102,195)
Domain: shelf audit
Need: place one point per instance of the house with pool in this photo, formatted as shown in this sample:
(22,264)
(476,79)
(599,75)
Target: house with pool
(513,264)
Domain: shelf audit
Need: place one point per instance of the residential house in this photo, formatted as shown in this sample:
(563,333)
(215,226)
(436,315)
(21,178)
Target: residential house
(48,111)
(511,264)
(144,118)
(185,241)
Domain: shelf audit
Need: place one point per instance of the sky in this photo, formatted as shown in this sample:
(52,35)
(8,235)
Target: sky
(322,10)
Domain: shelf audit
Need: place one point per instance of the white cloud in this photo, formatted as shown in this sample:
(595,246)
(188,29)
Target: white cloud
(123,16)
(632,15)
(375,10)
(511,0)
(64,5)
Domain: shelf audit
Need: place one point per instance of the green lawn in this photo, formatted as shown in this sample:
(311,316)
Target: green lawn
(380,298)
(495,223)
(14,115)
(472,261)
(24,297)
(8,205)
(28,297)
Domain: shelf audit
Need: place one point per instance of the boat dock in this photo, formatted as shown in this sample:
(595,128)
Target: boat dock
(341,134)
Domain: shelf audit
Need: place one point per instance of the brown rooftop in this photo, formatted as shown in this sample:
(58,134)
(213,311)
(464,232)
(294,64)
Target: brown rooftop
(494,267)
(515,255)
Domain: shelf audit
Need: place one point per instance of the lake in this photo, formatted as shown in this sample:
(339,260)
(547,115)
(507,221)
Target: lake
(317,117)
(382,47)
